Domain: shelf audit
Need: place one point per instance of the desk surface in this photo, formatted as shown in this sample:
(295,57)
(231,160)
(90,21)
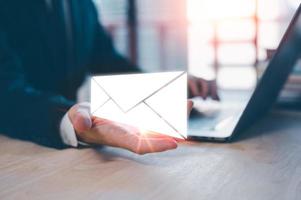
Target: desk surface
(264,164)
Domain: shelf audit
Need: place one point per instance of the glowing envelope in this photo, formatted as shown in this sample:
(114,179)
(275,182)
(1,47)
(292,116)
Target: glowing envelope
(155,102)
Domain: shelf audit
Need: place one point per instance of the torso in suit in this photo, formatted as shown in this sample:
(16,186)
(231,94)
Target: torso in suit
(46,50)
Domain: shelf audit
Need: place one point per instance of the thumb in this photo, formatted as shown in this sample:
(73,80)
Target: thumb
(189,106)
(80,117)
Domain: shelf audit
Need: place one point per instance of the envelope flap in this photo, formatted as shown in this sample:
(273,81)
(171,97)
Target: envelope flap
(171,104)
(98,96)
(129,90)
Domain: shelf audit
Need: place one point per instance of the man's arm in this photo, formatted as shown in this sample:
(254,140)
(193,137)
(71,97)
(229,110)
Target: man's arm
(105,58)
(25,112)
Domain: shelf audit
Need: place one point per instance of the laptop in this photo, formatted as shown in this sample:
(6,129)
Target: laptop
(240,111)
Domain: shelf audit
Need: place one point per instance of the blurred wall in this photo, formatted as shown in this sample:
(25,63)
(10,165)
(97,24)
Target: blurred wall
(162,31)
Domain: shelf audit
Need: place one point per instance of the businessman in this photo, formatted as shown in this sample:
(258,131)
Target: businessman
(47,47)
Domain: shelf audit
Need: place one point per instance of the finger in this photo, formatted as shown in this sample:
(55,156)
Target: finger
(213,90)
(151,134)
(80,118)
(162,136)
(97,121)
(193,88)
(146,142)
(203,88)
(189,106)
(145,145)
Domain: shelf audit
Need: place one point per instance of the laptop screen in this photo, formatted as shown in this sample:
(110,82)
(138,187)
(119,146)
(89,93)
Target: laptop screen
(275,75)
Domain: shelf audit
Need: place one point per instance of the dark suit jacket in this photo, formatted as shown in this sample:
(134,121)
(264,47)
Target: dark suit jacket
(45,54)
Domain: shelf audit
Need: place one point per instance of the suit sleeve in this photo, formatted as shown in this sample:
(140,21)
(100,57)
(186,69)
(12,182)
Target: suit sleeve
(105,58)
(25,112)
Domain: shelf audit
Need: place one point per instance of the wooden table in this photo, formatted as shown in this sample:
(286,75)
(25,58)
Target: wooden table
(264,164)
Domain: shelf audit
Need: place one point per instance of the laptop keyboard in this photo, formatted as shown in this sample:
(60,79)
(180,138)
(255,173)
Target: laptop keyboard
(202,122)
(208,113)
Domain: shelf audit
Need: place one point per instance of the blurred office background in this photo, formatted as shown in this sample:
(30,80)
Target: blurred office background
(222,39)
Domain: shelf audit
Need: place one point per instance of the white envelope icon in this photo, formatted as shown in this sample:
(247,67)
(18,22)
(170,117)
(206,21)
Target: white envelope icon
(152,101)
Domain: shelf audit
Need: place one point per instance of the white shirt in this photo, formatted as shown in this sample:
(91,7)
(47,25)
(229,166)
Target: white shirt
(67,131)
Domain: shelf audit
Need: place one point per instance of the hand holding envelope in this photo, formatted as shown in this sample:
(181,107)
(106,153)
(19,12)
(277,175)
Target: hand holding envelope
(164,93)
(166,89)
(94,130)
(152,102)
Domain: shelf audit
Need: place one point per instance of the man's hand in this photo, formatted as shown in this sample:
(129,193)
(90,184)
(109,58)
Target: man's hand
(201,87)
(105,132)
(189,106)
